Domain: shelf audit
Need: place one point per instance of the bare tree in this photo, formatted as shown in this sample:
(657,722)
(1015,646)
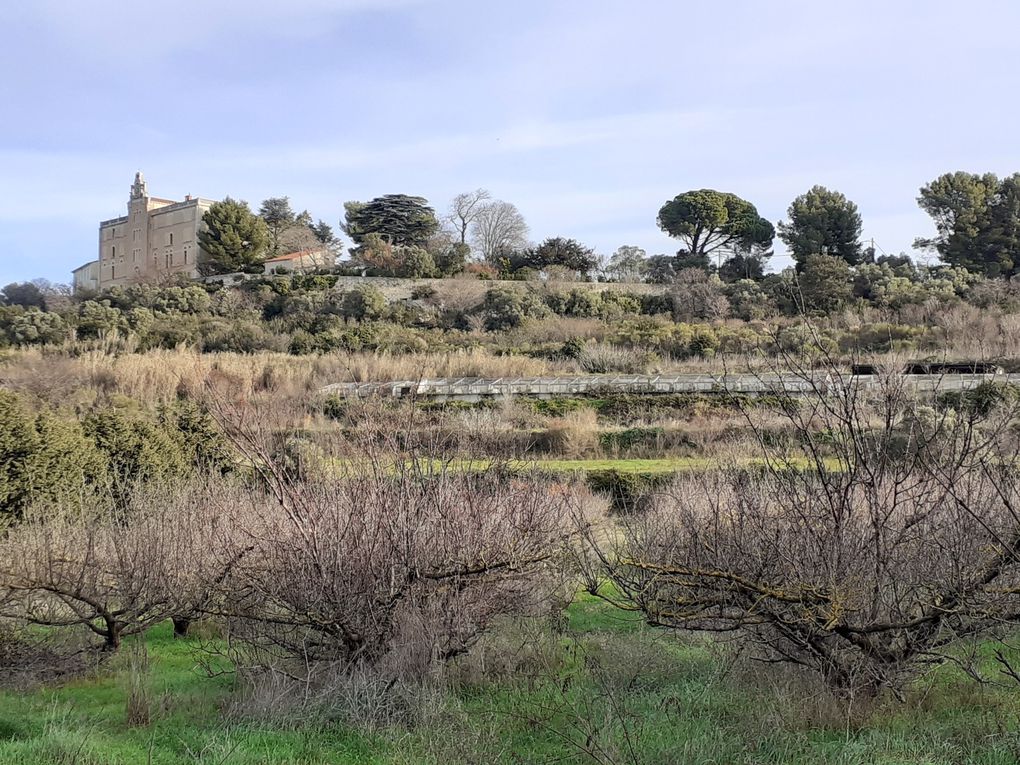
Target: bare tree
(115,573)
(110,577)
(498,227)
(404,568)
(883,533)
(387,556)
(464,210)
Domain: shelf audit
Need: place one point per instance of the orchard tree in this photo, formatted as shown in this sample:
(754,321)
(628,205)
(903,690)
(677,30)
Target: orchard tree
(822,222)
(232,238)
(977,221)
(397,218)
(717,224)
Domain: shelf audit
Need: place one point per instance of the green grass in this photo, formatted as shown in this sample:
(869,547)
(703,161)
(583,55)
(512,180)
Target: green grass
(662,465)
(606,682)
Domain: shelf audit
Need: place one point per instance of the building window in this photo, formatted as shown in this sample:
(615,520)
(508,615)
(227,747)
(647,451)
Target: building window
(113,251)
(113,272)
(171,237)
(185,256)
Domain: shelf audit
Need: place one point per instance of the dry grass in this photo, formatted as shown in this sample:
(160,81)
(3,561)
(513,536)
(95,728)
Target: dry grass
(159,376)
(137,706)
(576,434)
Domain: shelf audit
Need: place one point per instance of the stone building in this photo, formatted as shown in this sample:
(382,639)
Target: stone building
(158,238)
(302,261)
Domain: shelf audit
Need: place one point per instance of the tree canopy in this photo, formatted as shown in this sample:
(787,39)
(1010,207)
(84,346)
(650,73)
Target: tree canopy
(628,263)
(233,238)
(464,209)
(977,221)
(822,222)
(825,282)
(556,251)
(380,258)
(497,229)
(399,219)
(278,215)
(712,223)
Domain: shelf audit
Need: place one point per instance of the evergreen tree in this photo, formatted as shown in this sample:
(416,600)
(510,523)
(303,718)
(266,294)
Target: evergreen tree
(713,224)
(233,239)
(822,222)
(278,215)
(977,219)
(397,218)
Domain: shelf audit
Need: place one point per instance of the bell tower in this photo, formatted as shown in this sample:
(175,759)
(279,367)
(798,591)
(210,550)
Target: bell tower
(137,228)
(139,189)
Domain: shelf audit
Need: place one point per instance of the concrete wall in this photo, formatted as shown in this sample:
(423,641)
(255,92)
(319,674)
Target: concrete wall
(173,238)
(86,277)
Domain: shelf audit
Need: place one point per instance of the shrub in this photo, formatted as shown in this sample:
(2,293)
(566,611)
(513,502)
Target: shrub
(623,440)
(363,304)
(34,327)
(600,358)
(422,292)
(136,449)
(980,401)
(627,491)
(45,458)
(96,319)
(197,436)
(238,337)
(502,309)
(573,435)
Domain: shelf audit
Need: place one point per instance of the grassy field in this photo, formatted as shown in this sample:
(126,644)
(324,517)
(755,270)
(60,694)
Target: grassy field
(664,465)
(602,689)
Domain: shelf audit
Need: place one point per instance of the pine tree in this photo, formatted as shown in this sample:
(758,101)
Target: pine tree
(233,239)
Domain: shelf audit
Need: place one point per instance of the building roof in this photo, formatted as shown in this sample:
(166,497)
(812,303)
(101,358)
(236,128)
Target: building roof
(295,255)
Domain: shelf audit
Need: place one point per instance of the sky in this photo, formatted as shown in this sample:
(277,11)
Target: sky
(586,115)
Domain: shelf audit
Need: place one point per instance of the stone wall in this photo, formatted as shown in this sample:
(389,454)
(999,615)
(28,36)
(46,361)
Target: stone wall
(394,289)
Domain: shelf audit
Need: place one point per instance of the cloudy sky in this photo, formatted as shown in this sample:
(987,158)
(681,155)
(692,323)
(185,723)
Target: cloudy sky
(587,115)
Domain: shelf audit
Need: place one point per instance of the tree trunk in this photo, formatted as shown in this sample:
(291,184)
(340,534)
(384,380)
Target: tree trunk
(181,626)
(113,636)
